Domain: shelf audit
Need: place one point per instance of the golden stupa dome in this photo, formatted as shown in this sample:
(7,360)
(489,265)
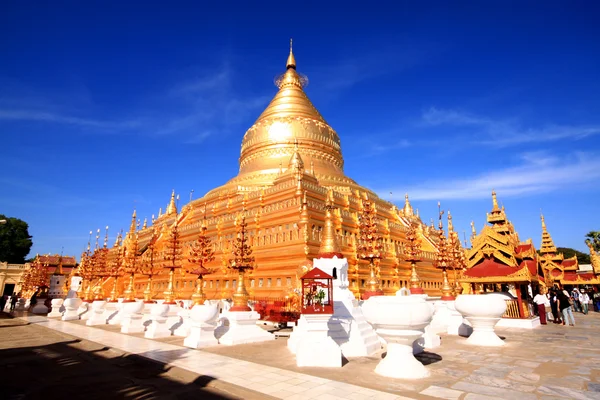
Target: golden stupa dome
(289,127)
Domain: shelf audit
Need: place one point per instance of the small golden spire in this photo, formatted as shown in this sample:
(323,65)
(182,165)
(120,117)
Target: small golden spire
(291,61)
(494,202)
(106,237)
(543,222)
(312,167)
(329,243)
(450,224)
(296,163)
(473,231)
(160,212)
(133,222)
(408,210)
(146,222)
(172,207)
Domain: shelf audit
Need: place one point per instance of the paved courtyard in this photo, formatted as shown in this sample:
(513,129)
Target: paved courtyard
(549,362)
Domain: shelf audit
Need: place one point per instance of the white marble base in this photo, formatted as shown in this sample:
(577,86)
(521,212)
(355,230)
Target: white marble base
(400,363)
(298,332)
(243,329)
(72,306)
(96,313)
(158,327)
(203,322)
(85,310)
(57,308)
(185,326)
(132,318)
(528,323)
(40,307)
(483,332)
(316,348)
(111,312)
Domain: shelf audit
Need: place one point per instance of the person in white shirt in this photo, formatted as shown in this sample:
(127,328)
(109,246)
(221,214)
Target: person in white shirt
(584,299)
(541,300)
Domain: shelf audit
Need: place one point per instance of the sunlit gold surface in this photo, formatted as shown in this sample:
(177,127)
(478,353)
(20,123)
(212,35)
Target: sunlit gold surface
(284,204)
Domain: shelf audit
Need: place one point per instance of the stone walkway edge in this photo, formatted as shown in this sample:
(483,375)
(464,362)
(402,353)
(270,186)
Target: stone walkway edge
(272,381)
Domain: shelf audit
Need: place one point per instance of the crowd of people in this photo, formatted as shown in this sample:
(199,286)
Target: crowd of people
(558,304)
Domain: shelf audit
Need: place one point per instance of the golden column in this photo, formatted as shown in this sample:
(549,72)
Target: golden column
(200,254)
(412,253)
(241,262)
(369,246)
(131,267)
(150,267)
(171,258)
(115,267)
(442,261)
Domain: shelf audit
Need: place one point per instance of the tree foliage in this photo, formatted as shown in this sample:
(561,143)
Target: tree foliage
(15,241)
(593,239)
(582,258)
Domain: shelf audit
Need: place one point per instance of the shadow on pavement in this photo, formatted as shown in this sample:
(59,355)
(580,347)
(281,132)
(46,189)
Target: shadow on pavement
(60,370)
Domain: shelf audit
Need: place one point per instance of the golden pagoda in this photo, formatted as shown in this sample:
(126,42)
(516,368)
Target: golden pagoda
(290,166)
(499,261)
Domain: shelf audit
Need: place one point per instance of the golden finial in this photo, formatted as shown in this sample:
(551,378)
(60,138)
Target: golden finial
(133,222)
(145,223)
(329,244)
(473,231)
(494,201)
(408,210)
(97,237)
(160,212)
(450,224)
(417,212)
(172,207)
(543,222)
(106,237)
(291,61)
(312,167)
(296,163)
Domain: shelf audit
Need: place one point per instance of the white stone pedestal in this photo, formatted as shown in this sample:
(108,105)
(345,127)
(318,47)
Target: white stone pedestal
(57,308)
(348,326)
(202,326)
(243,329)
(483,332)
(185,325)
(158,327)
(40,307)
(298,332)
(111,312)
(96,313)
(317,348)
(85,310)
(428,341)
(71,309)
(455,319)
(131,321)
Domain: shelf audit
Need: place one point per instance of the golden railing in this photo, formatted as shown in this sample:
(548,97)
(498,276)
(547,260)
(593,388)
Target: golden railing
(512,309)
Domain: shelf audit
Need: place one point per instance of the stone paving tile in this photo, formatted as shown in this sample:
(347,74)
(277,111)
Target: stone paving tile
(442,393)
(547,362)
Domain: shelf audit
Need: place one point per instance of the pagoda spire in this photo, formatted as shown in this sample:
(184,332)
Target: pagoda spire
(408,210)
(291,60)
(473,232)
(133,222)
(329,243)
(296,164)
(145,223)
(548,247)
(172,207)
(450,224)
(494,202)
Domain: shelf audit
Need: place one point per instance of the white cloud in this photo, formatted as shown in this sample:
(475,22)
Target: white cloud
(504,132)
(537,173)
(42,116)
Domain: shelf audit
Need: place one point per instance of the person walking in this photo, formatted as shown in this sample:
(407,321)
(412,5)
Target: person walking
(584,299)
(575,295)
(13,301)
(565,307)
(554,306)
(541,301)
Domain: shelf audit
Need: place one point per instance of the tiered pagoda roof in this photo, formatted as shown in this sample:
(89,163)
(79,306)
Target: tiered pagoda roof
(557,268)
(497,255)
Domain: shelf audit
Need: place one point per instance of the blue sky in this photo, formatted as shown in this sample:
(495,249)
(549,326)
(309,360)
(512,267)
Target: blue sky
(107,107)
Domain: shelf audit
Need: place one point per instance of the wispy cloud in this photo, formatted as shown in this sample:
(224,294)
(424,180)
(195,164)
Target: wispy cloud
(489,131)
(42,116)
(536,173)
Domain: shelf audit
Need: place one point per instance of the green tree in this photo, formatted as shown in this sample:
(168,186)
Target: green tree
(593,238)
(582,258)
(15,241)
